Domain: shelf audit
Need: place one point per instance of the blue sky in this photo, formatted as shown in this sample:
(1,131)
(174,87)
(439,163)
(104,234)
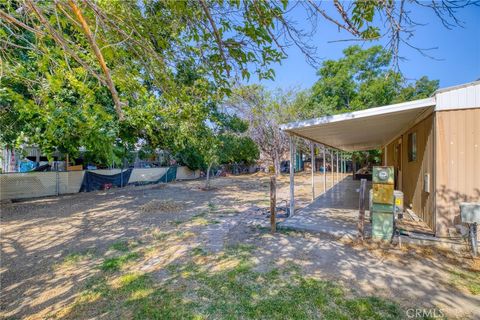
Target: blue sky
(458,51)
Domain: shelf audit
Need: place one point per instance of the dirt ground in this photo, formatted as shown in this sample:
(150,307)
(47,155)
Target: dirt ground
(52,247)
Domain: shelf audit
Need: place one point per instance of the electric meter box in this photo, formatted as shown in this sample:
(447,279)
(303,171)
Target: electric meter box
(382,225)
(470,212)
(383,193)
(383,175)
(383,203)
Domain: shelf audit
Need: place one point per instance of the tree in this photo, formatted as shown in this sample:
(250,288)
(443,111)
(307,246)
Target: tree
(362,79)
(422,88)
(238,149)
(123,61)
(265,111)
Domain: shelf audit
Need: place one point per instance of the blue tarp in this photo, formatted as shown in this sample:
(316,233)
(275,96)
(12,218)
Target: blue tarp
(93,181)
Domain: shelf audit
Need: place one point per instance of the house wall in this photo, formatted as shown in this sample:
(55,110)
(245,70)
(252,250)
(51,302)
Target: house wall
(413,172)
(410,174)
(457,164)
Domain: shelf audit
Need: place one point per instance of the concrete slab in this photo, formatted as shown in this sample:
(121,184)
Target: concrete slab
(334,212)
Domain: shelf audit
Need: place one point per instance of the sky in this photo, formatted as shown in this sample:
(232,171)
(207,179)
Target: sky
(457,59)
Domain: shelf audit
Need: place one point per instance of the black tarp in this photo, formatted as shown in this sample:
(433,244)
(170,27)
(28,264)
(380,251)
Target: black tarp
(93,181)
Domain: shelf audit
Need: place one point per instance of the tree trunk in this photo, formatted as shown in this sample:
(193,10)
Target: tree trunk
(207,182)
(276,163)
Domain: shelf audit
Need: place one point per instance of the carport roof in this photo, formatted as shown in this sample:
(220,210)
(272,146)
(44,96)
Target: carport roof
(361,130)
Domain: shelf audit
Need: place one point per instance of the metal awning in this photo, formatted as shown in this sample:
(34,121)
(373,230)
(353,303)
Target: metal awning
(362,130)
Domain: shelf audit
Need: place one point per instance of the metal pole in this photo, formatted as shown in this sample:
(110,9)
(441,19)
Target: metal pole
(324,172)
(292,175)
(338,169)
(331,166)
(312,157)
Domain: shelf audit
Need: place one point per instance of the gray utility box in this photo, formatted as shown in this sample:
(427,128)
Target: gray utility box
(470,212)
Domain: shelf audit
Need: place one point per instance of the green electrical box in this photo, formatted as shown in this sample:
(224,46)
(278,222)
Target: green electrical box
(382,210)
(382,225)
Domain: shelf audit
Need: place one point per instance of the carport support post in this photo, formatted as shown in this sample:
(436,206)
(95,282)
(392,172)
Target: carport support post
(341,163)
(338,169)
(331,167)
(324,172)
(292,175)
(312,157)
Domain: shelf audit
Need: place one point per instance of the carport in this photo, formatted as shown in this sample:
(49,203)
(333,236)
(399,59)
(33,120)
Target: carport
(362,130)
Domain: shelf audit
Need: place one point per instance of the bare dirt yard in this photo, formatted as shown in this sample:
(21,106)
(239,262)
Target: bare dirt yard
(178,252)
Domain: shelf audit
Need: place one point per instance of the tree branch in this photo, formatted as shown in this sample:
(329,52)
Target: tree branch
(216,34)
(61,41)
(101,60)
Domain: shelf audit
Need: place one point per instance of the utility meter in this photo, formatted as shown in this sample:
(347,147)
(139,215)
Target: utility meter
(383,175)
(382,210)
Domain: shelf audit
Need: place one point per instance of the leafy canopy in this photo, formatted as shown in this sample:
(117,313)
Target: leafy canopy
(362,79)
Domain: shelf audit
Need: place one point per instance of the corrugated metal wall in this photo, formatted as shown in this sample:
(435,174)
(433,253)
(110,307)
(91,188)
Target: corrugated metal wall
(410,179)
(413,172)
(467,96)
(457,164)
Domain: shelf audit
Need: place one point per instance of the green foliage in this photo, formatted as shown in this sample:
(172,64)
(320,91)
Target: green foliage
(237,149)
(168,70)
(191,158)
(422,88)
(359,80)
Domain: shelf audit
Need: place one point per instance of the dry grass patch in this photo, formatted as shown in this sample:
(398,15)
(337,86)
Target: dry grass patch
(162,206)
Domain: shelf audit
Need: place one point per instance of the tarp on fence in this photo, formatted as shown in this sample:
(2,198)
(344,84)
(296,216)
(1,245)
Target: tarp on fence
(169,176)
(93,181)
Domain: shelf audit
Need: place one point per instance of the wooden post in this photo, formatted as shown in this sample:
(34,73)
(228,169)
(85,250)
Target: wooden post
(273,203)
(292,175)
(312,156)
(324,172)
(361,215)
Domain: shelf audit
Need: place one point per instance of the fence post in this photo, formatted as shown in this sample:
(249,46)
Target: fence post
(273,203)
(361,216)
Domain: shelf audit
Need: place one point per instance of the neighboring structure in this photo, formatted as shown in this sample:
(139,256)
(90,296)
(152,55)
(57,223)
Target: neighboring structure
(433,143)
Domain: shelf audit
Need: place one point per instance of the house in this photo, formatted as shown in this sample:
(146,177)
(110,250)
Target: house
(433,144)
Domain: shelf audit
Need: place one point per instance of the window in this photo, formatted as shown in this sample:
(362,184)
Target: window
(412,146)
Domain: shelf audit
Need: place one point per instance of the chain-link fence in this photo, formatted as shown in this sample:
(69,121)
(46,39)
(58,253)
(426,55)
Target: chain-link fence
(51,183)
(39,184)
